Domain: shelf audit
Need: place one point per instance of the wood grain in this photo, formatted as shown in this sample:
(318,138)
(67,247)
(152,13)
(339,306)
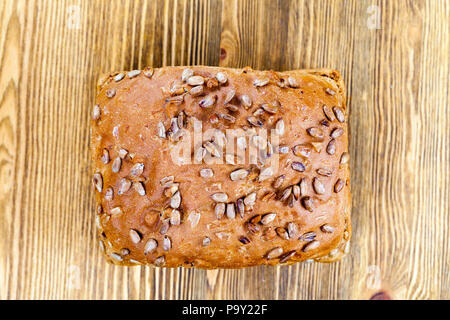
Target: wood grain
(397,77)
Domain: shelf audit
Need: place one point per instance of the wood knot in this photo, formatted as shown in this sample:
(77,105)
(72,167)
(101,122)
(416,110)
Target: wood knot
(381,295)
(223,53)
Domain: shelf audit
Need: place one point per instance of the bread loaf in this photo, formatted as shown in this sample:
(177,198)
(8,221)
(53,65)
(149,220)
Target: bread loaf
(213,167)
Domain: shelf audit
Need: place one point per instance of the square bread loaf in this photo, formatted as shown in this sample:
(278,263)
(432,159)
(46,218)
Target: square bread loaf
(213,167)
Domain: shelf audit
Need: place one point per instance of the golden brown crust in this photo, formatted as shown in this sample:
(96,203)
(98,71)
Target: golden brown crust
(303,216)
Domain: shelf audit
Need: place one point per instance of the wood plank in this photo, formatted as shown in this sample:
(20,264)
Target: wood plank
(397,76)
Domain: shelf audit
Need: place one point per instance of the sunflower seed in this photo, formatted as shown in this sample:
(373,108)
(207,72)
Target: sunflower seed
(174,125)
(167,243)
(96,112)
(97,181)
(231,211)
(199,154)
(119,77)
(339,185)
(268,218)
(221,77)
(196,91)
(258,112)
(124,186)
(271,108)
(330,91)
(282,233)
(283,149)
(164,226)
(195,80)
(240,208)
(166,181)
(135,236)
(123,153)
(194,218)
(260,82)
(327,228)
(279,127)
(328,113)
(286,193)
(219,197)
(116,165)
(344,158)
(308,236)
(244,240)
(296,191)
(148,72)
(116,211)
(105,156)
(232,107)
(315,132)
(275,252)
(331,147)
(265,174)
(238,174)
(206,241)
(175,217)
(219,210)
(227,117)
(291,201)
(302,151)
(175,201)
(292,229)
(139,187)
(134,73)
(279,181)
(250,199)
(116,257)
(229,96)
(181,119)
(137,169)
(318,186)
(324,172)
(109,194)
(339,114)
(206,173)
(207,102)
(303,184)
(160,261)
(307,203)
(150,246)
(110,93)
(311,246)
(254,121)
(176,99)
(246,101)
(298,166)
(336,133)
(286,256)
(187,73)
(324,122)
(161,130)
(212,148)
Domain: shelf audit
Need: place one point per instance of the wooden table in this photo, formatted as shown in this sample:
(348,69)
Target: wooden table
(394,56)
